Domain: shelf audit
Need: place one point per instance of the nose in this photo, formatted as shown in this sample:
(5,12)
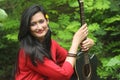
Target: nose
(39,26)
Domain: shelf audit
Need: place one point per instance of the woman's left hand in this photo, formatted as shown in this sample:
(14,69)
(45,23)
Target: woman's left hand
(87,44)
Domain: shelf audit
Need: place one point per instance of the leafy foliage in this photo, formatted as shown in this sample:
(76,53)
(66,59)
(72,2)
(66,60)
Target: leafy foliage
(110,65)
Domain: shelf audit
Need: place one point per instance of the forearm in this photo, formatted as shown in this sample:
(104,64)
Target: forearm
(72,50)
(78,37)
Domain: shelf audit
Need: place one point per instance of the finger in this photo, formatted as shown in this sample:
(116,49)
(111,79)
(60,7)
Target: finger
(85,41)
(85,49)
(83,26)
(86,46)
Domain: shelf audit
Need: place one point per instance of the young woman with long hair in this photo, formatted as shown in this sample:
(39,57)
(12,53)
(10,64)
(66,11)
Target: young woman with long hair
(40,57)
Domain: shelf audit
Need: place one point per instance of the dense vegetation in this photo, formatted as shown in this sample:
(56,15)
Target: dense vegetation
(102,17)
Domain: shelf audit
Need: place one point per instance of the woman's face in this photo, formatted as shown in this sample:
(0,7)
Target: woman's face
(39,26)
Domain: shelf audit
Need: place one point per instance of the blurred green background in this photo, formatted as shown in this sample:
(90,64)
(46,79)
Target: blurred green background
(102,17)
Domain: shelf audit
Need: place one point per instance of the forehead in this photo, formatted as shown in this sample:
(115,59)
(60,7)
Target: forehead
(37,16)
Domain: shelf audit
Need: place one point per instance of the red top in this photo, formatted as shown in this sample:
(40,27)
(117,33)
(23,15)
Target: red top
(56,69)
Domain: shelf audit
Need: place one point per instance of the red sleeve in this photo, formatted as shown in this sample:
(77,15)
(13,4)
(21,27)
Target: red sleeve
(52,70)
(59,69)
(61,53)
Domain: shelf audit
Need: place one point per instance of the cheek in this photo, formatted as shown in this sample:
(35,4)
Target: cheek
(46,27)
(32,29)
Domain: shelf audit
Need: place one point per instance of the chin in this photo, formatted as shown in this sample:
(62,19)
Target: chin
(40,36)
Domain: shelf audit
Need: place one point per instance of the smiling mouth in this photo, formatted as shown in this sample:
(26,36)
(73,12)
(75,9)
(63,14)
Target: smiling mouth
(40,31)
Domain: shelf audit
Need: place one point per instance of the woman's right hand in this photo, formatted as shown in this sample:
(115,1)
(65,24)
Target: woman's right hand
(80,35)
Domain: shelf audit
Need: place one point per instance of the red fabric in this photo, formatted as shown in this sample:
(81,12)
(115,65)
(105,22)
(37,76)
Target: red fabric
(56,69)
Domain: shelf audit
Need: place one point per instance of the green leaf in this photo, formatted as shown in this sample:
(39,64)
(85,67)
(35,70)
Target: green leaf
(60,2)
(93,27)
(54,27)
(115,5)
(73,26)
(112,19)
(64,20)
(114,61)
(12,36)
(11,24)
(2,0)
(64,35)
(73,3)
(102,4)
(88,5)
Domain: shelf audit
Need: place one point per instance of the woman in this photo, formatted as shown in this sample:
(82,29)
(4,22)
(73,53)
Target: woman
(40,57)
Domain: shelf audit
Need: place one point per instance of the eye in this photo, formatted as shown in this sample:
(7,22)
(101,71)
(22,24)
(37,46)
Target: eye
(41,21)
(32,24)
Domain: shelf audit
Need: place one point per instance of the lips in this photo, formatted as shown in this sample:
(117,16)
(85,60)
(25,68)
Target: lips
(40,31)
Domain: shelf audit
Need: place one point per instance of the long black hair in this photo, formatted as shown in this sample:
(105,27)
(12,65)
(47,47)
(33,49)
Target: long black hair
(33,47)
(30,44)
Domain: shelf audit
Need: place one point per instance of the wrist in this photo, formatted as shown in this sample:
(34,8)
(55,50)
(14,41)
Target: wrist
(73,49)
(72,55)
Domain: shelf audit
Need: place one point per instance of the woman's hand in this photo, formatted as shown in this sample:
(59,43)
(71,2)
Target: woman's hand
(87,44)
(80,35)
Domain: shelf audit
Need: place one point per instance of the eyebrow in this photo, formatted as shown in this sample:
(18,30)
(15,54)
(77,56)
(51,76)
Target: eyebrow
(36,21)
